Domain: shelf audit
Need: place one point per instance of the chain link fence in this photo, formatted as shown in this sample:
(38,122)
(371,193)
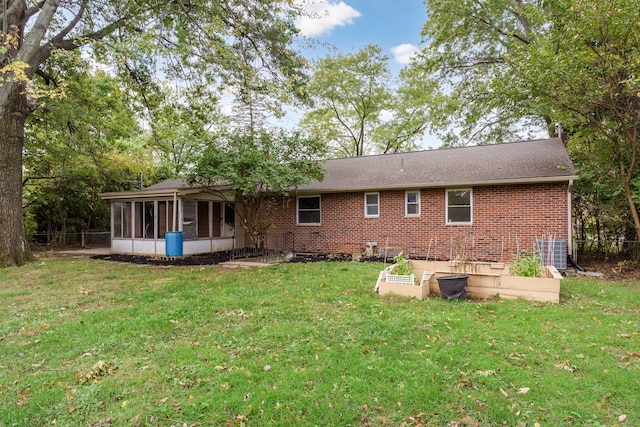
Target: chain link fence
(589,252)
(86,239)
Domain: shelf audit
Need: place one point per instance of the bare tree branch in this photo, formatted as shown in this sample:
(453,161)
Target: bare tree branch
(31,43)
(34,9)
(65,31)
(70,44)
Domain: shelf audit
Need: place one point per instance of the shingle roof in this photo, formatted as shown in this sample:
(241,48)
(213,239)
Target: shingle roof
(166,188)
(169,184)
(518,162)
(544,160)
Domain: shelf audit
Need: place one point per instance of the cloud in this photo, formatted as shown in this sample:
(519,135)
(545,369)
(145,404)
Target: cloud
(322,16)
(404,53)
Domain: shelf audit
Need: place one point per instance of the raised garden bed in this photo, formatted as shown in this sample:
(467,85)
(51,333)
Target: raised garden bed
(404,285)
(486,280)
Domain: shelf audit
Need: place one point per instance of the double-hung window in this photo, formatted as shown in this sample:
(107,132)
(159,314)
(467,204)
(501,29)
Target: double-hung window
(412,203)
(371,205)
(459,206)
(308,210)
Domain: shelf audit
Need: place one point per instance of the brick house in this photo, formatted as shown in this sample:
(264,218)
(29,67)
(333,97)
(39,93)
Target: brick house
(493,199)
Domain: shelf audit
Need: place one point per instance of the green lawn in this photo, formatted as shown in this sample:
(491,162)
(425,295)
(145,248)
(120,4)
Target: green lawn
(97,343)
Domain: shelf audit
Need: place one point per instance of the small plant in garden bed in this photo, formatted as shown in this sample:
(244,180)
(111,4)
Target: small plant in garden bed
(526,264)
(402,266)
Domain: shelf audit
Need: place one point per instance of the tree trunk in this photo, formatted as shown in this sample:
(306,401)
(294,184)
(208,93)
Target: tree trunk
(14,248)
(632,205)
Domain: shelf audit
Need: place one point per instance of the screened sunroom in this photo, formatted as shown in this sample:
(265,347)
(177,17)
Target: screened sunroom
(146,222)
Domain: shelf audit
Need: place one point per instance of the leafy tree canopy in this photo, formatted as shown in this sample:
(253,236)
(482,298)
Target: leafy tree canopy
(256,168)
(178,128)
(77,146)
(358,107)
(207,46)
(498,68)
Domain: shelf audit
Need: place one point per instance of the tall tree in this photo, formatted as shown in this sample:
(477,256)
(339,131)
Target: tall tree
(359,108)
(77,146)
(179,125)
(470,64)
(600,208)
(257,169)
(197,41)
(500,67)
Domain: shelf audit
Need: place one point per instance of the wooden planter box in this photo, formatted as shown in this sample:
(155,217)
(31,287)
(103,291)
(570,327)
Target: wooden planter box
(486,280)
(389,283)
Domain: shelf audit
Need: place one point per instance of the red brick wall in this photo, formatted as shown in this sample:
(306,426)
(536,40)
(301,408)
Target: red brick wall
(505,219)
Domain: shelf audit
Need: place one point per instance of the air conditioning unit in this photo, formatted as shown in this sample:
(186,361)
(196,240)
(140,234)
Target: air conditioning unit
(553,252)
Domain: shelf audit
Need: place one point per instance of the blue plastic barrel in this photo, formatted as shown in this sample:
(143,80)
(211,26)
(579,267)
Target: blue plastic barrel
(173,243)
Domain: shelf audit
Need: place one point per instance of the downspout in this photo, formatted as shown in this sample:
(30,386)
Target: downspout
(569,222)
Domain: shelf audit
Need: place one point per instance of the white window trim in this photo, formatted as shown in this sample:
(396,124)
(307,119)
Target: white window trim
(365,205)
(298,210)
(406,204)
(446,206)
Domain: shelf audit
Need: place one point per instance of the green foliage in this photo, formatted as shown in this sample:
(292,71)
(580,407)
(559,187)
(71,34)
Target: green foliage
(402,265)
(351,94)
(256,169)
(75,148)
(495,70)
(526,264)
(207,47)
(470,67)
(599,205)
(304,344)
(266,160)
(180,126)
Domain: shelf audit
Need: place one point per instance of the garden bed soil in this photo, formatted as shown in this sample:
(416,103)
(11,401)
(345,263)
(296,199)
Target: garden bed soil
(200,259)
(220,257)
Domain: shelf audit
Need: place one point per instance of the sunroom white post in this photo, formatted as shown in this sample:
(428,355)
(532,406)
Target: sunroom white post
(175,211)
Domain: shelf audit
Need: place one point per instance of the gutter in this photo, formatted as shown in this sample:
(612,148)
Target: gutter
(452,184)
(147,194)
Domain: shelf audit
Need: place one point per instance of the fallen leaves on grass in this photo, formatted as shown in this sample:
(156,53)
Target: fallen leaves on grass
(23,397)
(99,369)
(566,365)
